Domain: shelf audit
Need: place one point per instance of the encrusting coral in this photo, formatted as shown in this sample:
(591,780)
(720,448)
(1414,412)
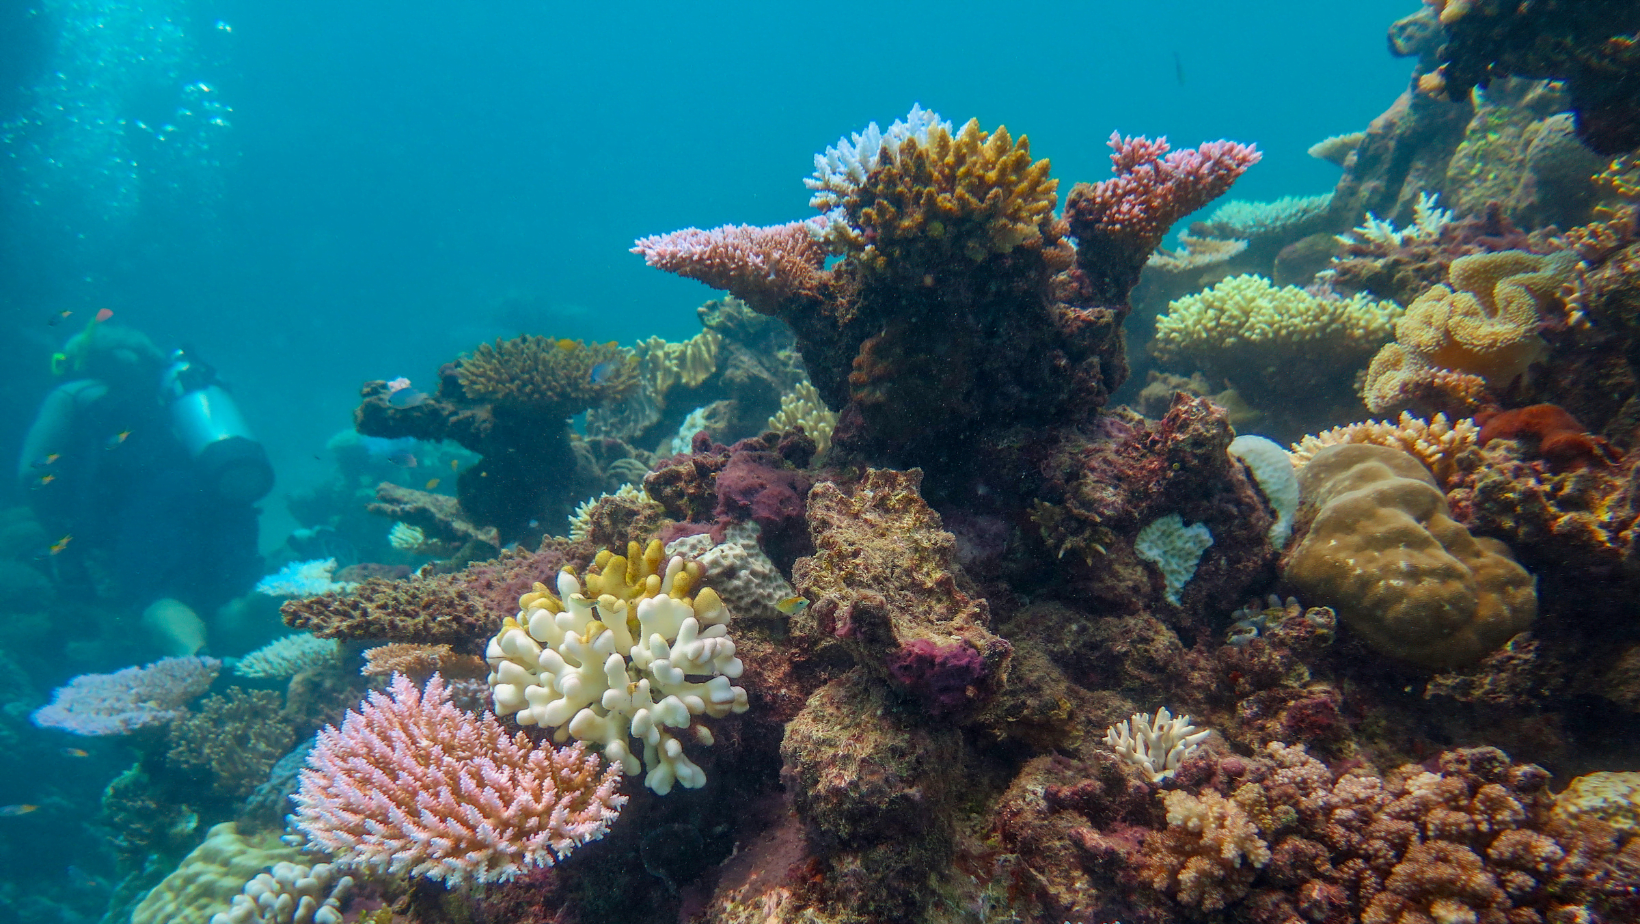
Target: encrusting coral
(611,661)
(1383,550)
(412,784)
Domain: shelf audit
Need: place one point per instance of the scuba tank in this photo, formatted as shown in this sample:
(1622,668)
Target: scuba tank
(207,422)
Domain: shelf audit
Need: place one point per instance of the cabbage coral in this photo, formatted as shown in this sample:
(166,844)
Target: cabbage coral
(558,378)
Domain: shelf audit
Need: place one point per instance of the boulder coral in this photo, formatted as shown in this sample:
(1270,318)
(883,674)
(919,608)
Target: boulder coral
(1384,551)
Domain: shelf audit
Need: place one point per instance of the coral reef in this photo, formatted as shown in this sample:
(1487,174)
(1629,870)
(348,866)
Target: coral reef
(1383,550)
(432,610)
(411,784)
(290,893)
(1436,442)
(287,657)
(237,738)
(551,379)
(208,879)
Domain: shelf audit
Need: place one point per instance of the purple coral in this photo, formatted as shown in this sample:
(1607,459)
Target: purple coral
(129,699)
(938,675)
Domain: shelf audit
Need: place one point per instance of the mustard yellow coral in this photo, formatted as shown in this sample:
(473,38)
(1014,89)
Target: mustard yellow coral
(1435,442)
(661,365)
(803,407)
(558,378)
(1611,797)
(1486,322)
(972,195)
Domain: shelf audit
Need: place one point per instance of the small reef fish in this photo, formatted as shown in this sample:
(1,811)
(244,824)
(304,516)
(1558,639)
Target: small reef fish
(431,483)
(567,344)
(791,606)
(400,395)
(61,544)
(118,438)
(455,465)
(12,811)
(59,316)
(403,458)
(74,752)
(44,480)
(603,370)
(104,314)
(48,461)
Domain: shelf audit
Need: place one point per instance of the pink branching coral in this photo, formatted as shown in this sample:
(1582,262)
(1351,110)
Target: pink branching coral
(762,266)
(412,784)
(1119,221)
(126,700)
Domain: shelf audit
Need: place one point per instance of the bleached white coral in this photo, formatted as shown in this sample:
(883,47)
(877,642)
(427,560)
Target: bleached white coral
(406,538)
(1427,224)
(1272,468)
(287,657)
(303,579)
(839,172)
(290,893)
(685,437)
(576,665)
(1156,745)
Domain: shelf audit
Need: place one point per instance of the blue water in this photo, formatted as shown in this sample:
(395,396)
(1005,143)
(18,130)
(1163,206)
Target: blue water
(316,194)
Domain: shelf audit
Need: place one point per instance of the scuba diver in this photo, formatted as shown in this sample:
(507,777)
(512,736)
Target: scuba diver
(143,465)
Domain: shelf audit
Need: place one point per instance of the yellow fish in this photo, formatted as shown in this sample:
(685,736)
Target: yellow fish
(568,344)
(455,465)
(791,606)
(44,480)
(12,811)
(74,752)
(432,483)
(58,546)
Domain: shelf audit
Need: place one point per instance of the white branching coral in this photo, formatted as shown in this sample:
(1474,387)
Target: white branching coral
(287,657)
(1157,745)
(614,663)
(406,538)
(839,172)
(1427,223)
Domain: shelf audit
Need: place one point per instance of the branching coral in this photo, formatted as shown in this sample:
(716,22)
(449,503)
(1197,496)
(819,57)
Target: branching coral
(237,737)
(611,662)
(129,699)
(1435,442)
(1118,222)
(803,407)
(412,784)
(1209,853)
(1155,745)
(938,197)
(763,266)
(557,378)
(1272,341)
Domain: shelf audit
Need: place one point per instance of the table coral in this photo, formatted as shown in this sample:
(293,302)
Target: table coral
(1384,551)
(128,699)
(433,610)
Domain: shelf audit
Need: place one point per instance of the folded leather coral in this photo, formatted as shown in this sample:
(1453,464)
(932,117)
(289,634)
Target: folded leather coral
(1384,551)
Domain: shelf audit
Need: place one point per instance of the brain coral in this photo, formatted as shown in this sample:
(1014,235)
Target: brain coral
(1384,551)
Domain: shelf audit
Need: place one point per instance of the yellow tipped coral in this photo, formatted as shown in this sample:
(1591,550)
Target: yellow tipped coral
(661,365)
(1435,442)
(802,407)
(970,196)
(558,378)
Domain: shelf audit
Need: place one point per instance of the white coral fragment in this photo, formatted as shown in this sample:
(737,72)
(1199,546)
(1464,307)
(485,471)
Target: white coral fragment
(1156,745)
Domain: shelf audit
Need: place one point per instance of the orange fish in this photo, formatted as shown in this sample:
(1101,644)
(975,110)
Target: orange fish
(105,314)
(44,480)
(432,483)
(12,811)
(59,316)
(58,546)
(74,752)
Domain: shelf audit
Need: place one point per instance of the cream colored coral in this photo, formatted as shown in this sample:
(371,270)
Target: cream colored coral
(1436,442)
(1270,340)
(290,893)
(1611,797)
(1209,851)
(596,666)
(1396,379)
(803,406)
(662,365)
(1195,253)
(1486,322)
(207,880)
(1157,746)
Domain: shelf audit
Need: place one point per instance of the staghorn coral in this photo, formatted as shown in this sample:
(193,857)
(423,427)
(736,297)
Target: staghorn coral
(939,197)
(411,784)
(1118,222)
(557,378)
(762,266)
(1435,442)
(128,699)
(237,738)
(1273,343)
(609,662)
(1384,551)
